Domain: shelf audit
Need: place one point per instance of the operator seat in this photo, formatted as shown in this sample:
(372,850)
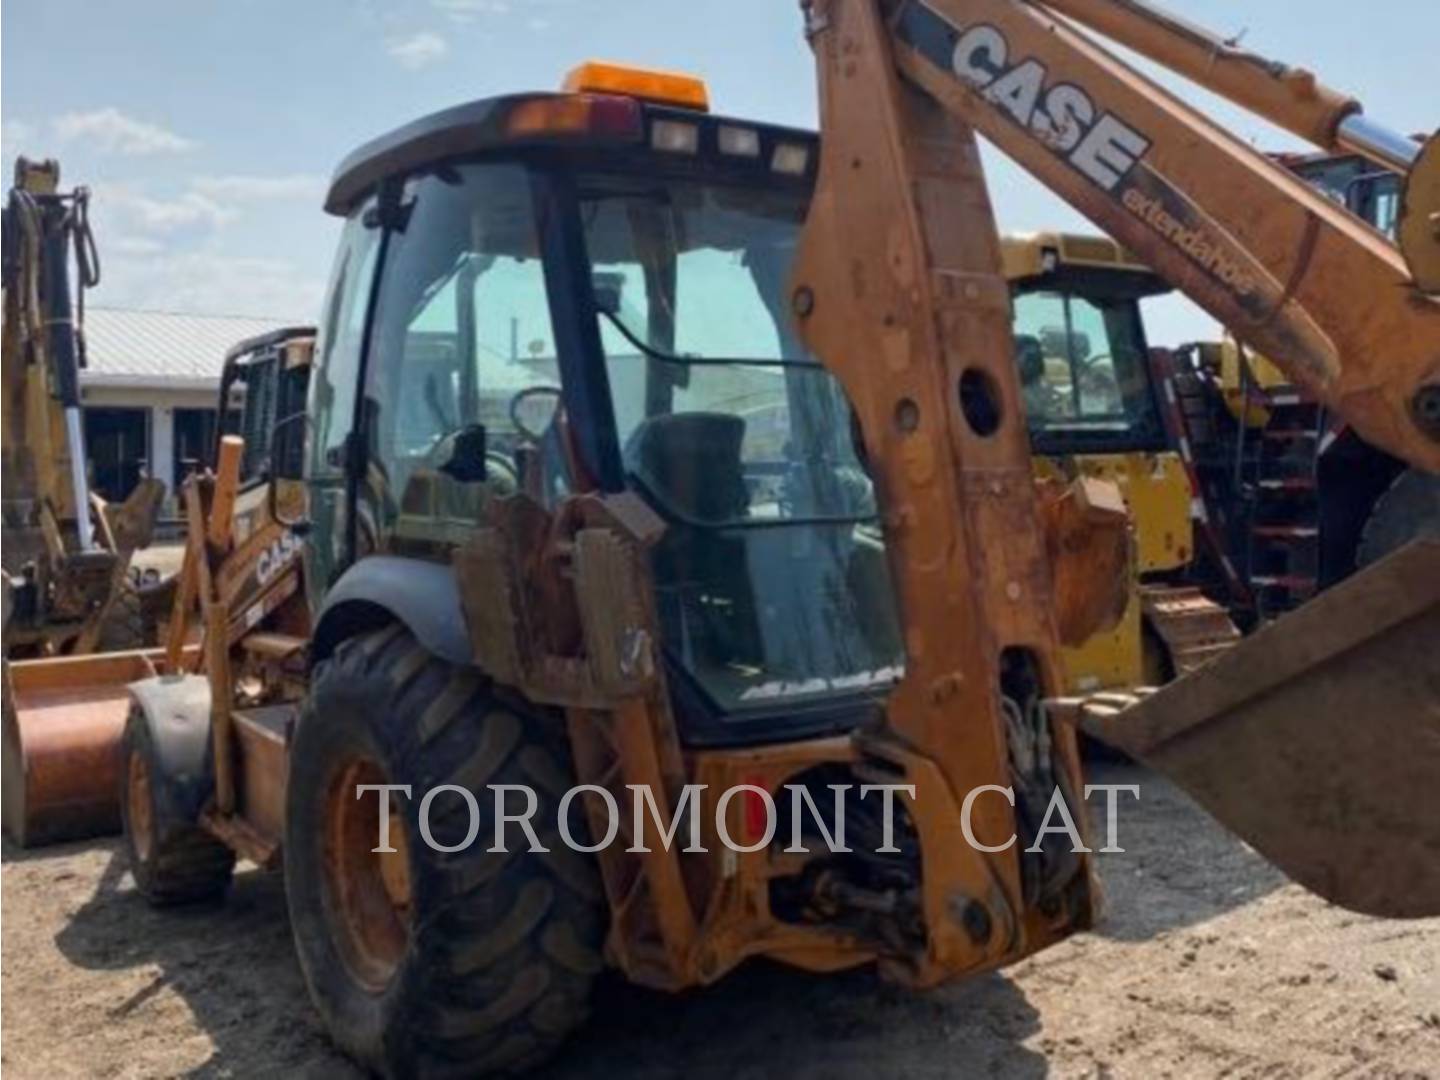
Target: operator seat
(690,466)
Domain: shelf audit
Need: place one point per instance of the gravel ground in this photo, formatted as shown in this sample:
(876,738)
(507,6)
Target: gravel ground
(1208,965)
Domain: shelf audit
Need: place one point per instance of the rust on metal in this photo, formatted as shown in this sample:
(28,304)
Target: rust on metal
(1317,739)
(63,718)
(1087,534)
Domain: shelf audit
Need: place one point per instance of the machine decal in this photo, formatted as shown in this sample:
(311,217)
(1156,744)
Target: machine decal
(1099,145)
(1102,147)
(276,557)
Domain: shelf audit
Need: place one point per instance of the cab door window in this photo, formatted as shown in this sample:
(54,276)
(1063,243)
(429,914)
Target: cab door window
(332,394)
(462,328)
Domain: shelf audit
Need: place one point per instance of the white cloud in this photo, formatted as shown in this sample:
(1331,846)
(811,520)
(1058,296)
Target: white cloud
(110,130)
(304,186)
(464,11)
(145,214)
(133,245)
(210,283)
(419,50)
(15,134)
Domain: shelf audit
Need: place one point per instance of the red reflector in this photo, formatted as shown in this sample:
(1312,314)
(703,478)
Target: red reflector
(572,115)
(756,819)
(616,116)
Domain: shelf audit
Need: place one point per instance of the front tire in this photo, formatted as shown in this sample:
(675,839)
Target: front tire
(421,962)
(172,858)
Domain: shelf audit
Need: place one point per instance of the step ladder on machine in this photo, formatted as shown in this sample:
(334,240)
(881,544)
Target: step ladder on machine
(1275,470)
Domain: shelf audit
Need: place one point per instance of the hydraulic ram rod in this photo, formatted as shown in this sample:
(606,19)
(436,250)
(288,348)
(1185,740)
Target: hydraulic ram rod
(1292,98)
(65,358)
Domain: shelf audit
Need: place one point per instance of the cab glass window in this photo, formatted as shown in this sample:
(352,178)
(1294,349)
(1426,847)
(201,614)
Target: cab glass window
(462,328)
(1083,368)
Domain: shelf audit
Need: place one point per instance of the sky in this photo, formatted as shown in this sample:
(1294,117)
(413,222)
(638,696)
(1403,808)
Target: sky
(207,129)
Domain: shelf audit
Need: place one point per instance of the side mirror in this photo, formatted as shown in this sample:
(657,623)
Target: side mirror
(466,462)
(287,495)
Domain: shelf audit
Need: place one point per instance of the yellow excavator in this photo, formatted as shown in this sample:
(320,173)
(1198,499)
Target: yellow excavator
(650,449)
(67,553)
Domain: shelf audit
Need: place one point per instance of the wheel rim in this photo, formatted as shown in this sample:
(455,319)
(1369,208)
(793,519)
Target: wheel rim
(138,808)
(369,890)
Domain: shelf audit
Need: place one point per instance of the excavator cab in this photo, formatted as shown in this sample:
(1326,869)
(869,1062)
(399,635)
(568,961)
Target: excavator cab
(624,262)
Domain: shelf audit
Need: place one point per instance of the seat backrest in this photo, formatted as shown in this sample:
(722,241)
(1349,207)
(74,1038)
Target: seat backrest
(690,462)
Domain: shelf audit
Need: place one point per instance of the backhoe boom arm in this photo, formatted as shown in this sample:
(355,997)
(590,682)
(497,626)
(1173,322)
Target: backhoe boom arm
(1266,255)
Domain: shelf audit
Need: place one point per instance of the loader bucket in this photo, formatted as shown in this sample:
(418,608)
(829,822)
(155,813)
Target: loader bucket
(63,719)
(1317,740)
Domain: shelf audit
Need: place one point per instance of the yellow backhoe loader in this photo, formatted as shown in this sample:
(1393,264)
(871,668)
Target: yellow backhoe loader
(67,553)
(681,456)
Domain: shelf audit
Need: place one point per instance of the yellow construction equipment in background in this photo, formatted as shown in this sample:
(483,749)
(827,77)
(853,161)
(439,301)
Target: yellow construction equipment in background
(1095,402)
(66,552)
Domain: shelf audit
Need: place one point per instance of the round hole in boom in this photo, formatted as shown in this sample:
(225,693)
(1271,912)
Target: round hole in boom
(907,416)
(980,402)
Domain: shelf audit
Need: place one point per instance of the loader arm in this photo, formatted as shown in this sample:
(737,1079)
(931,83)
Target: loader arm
(898,287)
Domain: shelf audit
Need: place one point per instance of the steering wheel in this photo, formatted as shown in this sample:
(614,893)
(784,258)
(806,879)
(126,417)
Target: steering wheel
(524,424)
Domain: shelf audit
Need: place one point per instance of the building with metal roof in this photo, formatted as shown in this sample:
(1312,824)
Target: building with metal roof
(150,389)
(161,349)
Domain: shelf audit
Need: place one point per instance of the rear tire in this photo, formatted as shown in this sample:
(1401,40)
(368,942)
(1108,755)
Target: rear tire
(421,962)
(173,859)
(1409,510)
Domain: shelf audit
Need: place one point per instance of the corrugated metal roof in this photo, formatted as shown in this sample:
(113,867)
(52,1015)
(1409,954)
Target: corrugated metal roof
(160,348)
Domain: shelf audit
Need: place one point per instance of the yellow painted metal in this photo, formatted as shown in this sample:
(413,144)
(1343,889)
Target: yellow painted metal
(1157,496)
(1027,255)
(1264,375)
(1155,486)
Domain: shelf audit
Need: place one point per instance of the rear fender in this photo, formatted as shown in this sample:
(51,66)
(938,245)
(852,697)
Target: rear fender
(176,709)
(383,589)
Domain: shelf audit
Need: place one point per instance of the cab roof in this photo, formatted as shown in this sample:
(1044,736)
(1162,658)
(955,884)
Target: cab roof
(580,123)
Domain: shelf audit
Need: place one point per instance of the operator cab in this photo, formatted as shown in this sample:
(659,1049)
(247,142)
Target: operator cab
(1080,344)
(587,291)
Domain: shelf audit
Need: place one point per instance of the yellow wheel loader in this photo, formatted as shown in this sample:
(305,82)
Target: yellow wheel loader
(664,459)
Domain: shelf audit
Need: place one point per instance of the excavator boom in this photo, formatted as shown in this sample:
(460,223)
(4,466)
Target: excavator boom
(898,288)
(1272,259)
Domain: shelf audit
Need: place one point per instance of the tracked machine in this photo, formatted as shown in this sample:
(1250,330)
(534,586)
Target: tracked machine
(652,449)
(1100,404)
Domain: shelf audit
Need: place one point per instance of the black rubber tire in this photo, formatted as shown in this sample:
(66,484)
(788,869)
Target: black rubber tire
(502,949)
(124,627)
(184,863)
(1409,510)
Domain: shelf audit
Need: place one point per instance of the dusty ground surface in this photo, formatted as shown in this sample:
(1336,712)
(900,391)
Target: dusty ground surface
(1207,966)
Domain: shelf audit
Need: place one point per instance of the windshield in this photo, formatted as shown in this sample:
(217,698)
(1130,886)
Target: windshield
(690,281)
(772,578)
(1083,369)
